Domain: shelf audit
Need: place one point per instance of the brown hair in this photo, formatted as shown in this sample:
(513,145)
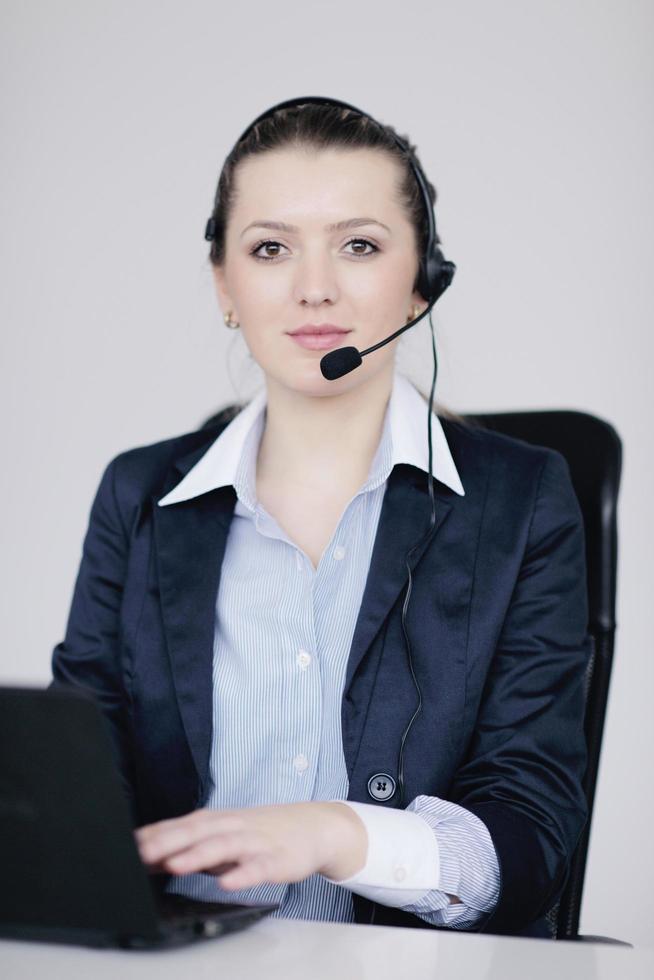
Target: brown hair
(444,412)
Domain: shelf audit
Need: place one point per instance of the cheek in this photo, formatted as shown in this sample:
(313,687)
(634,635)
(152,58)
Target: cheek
(259,293)
(259,341)
(394,284)
(388,296)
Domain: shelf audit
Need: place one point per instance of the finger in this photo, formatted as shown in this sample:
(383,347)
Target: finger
(150,830)
(157,840)
(248,874)
(168,837)
(196,818)
(212,852)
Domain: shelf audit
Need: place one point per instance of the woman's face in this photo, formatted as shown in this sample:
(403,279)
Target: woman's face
(275,280)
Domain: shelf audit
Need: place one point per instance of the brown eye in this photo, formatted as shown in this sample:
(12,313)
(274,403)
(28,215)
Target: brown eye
(362,241)
(266,244)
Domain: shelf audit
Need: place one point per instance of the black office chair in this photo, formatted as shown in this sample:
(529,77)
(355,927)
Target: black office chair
(593,451)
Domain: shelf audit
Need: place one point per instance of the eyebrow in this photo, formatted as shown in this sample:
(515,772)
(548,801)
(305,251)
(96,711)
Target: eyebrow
(337,226)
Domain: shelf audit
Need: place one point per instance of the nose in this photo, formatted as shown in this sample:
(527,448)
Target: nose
(315,279)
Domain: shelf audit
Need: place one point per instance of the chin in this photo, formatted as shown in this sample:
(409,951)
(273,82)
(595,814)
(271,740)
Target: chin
(307,379)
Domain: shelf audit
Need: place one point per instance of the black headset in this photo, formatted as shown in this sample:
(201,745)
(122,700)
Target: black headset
(434,276)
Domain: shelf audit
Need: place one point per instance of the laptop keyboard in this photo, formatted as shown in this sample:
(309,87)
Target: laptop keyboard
(175,908)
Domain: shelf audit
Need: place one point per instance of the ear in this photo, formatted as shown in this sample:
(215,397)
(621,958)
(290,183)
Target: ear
(224,298)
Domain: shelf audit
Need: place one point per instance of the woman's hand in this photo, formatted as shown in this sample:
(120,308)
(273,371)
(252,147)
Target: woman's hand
(246,847)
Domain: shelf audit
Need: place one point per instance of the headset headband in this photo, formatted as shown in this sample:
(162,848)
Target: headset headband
(435,272)
(325,100)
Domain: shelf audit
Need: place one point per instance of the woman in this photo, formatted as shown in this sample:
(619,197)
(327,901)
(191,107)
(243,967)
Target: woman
(238,610)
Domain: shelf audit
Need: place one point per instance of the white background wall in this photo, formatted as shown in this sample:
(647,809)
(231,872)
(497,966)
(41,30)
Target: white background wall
(534,121)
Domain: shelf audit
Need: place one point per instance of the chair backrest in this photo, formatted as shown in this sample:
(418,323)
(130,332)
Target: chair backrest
(593,451)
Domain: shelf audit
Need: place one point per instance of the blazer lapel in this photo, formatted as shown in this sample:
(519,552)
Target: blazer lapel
(403,524)
(190,540)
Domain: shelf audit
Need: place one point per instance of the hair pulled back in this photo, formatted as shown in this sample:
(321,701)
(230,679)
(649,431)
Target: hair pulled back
(320,126)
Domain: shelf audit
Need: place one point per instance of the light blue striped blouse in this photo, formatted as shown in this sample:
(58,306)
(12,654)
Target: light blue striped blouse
(282,637)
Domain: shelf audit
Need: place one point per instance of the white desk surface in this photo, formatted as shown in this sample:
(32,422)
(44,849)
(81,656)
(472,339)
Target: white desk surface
(289,949)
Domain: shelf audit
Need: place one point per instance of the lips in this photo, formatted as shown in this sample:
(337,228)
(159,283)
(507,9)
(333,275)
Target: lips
(319,336)
(309,330)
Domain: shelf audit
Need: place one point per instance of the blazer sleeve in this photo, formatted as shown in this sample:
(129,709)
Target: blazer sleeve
(89,655)
(522,771)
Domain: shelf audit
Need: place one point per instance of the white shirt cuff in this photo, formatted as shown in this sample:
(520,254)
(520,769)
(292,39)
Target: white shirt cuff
(402,861)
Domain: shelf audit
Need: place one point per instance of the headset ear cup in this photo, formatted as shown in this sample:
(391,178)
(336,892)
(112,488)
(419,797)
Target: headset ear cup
(447,271)
(428,276)
(438,274)
(210,230)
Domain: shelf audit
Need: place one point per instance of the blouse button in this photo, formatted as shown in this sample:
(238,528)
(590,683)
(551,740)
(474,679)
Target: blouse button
(338,552)
(300,762)
(399,874)
(303,658)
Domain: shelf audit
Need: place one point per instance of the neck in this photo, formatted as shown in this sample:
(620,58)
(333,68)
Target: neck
(319,441)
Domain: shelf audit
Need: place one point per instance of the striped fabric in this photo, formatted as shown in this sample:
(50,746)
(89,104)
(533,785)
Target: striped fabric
(282,638)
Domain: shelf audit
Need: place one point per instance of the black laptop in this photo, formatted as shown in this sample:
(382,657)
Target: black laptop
(69,864)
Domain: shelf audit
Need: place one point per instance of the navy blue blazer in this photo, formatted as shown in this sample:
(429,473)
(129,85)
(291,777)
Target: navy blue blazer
(497,622)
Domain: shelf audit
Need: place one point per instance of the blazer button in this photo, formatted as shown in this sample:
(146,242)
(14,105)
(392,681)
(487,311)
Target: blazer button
(381,786)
